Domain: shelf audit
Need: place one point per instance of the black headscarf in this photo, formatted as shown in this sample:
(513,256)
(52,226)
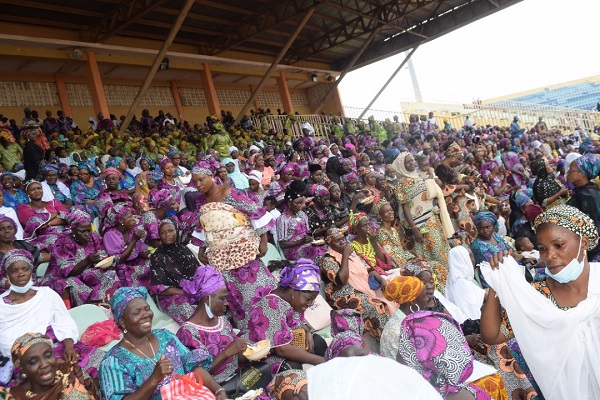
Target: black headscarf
(333,168)
(545,185)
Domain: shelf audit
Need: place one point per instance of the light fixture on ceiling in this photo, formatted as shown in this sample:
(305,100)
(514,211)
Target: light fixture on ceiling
(314,77)
(164,65)
(76,54)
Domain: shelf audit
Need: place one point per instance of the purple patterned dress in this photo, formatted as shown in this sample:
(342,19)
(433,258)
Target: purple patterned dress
(81,194)
(33,218)
(175,189)
(231,234)
(296,228)
(90,286)
(274,319)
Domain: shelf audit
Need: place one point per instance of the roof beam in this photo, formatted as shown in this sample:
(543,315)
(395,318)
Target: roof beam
(51,7)
(125,14)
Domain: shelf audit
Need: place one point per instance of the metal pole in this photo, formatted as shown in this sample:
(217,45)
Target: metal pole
(276,62)
(348,67)
(385,85)
(159,57)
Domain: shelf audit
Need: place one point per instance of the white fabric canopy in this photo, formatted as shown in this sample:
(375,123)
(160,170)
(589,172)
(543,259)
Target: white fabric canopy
(461,288)
(562,348)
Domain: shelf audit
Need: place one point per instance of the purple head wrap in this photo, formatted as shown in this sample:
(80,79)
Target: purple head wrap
(160,198)
(346,319)
(15,255)
(114,215)
(51,167)
(77,216)
(207,280)
(288,169)
(349,177)
(7,218)
(112,171)
(485,216)
(203,168)
(318,190)
(487,168)
(123,296)
(303,275)
(164,162)
(341,342)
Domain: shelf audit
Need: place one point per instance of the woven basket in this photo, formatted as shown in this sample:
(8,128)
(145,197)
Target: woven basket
(299,338)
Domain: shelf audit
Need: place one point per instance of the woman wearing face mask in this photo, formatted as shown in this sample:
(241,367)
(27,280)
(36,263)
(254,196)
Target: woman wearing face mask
(556,321)
(170,264)
(208,328)
(33,354)
(162,205)
(72,272)
(276,315)
(27,308)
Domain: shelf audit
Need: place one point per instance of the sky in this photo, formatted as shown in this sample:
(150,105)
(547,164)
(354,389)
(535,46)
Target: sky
(532,44)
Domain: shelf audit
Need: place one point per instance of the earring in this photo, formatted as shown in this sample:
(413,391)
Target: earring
(411,308)
(124,330)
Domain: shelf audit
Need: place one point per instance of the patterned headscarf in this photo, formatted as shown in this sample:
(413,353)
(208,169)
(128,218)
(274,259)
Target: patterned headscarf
(203,168)
(346,319)
(341,342)
(333,232)
(160,198)
(572,219)
(114,215)
(318,190)
(487,168)
(122,296)
(7,218)
(77,216)
(88,167)
(113,162)
(51,167)
(589,165)
(206,281)
(287,169)
(289,384)
(415,266)
(485,216)
(355,219)
(403,289)
(23,343)
(433,344)
(378,206)
(349,177)
(453,150)
(522,198)
(164,162)
(15,255)
(303,275)
(112,171)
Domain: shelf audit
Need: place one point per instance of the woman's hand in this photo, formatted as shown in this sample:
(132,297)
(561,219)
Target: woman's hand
(417,234)
(222,395)
(70,355)
(139,234)
(564,192)
(498,258)
(263,246)
(475,343)
(347,250)
(308,239)
(94,258)
(310,343)
(163,368)
(238,346)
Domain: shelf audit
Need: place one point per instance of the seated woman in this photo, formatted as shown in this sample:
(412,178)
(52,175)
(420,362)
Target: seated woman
(548,192)
(280,312)
(551,317)
(339,212)
(12,214)
(169,181)
(72,272)
(23,300)
(169,265)
(348,284)
(43,220)
(441,355)
(12,196)
(144,184)
(162,205)
(278,187)
(365,244)
(319,213)
(409,293)
(127,182)
(113,194)
(32,353)
(347,330)
(122,238)
(240,181)
(53,188)
(86,189)
(222,178)
(208,329)
(145,359)
(255,188)
(387,236)
(293,230)
(8,242)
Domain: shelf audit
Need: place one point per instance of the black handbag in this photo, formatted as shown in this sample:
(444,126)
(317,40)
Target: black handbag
(252,376)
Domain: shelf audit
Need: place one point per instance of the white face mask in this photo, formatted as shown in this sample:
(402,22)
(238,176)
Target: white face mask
(208,309)
(571,272)
(22,289)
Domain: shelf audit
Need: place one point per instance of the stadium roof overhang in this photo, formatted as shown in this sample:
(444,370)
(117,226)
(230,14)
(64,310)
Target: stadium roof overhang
(252,31)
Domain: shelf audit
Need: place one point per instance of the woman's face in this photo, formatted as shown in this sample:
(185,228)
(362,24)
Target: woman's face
(144,165)
(365,161)
(485,229)
(8,182)
(286,176)
(335,193)
(51,177)
(84,175)
(386,213)
(204,183)
(223,174)
(326,152)
(363,227)
(558,246)
(176,160)
(82,233)
(259,161)
(351,185)
(169,169)
(335,149)
(422,300)
(303,300)
(409,163)
(254,185)
(324,201)
(112,182)
(380,158)
(370,180)
(137,317)
(128,220)
(19,273)
(316,176)
(296,205)
(429,283)
(294,157)
(39,365)
(168,234)
(230,168)
(34,191)
(7,231)
(218,302)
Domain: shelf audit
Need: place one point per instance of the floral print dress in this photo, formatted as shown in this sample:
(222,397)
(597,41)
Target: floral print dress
(291,228)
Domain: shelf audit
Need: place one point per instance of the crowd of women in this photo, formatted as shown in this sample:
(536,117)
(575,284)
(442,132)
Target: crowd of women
(447,251)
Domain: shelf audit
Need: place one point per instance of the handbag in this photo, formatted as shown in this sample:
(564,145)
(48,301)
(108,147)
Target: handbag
(318,316)
(101,333)
(299,339)
(186,387)
(252,377)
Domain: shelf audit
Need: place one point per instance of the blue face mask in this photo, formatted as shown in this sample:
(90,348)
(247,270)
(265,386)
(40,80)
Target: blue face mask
(170,213)
(22,289)
(571,271)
